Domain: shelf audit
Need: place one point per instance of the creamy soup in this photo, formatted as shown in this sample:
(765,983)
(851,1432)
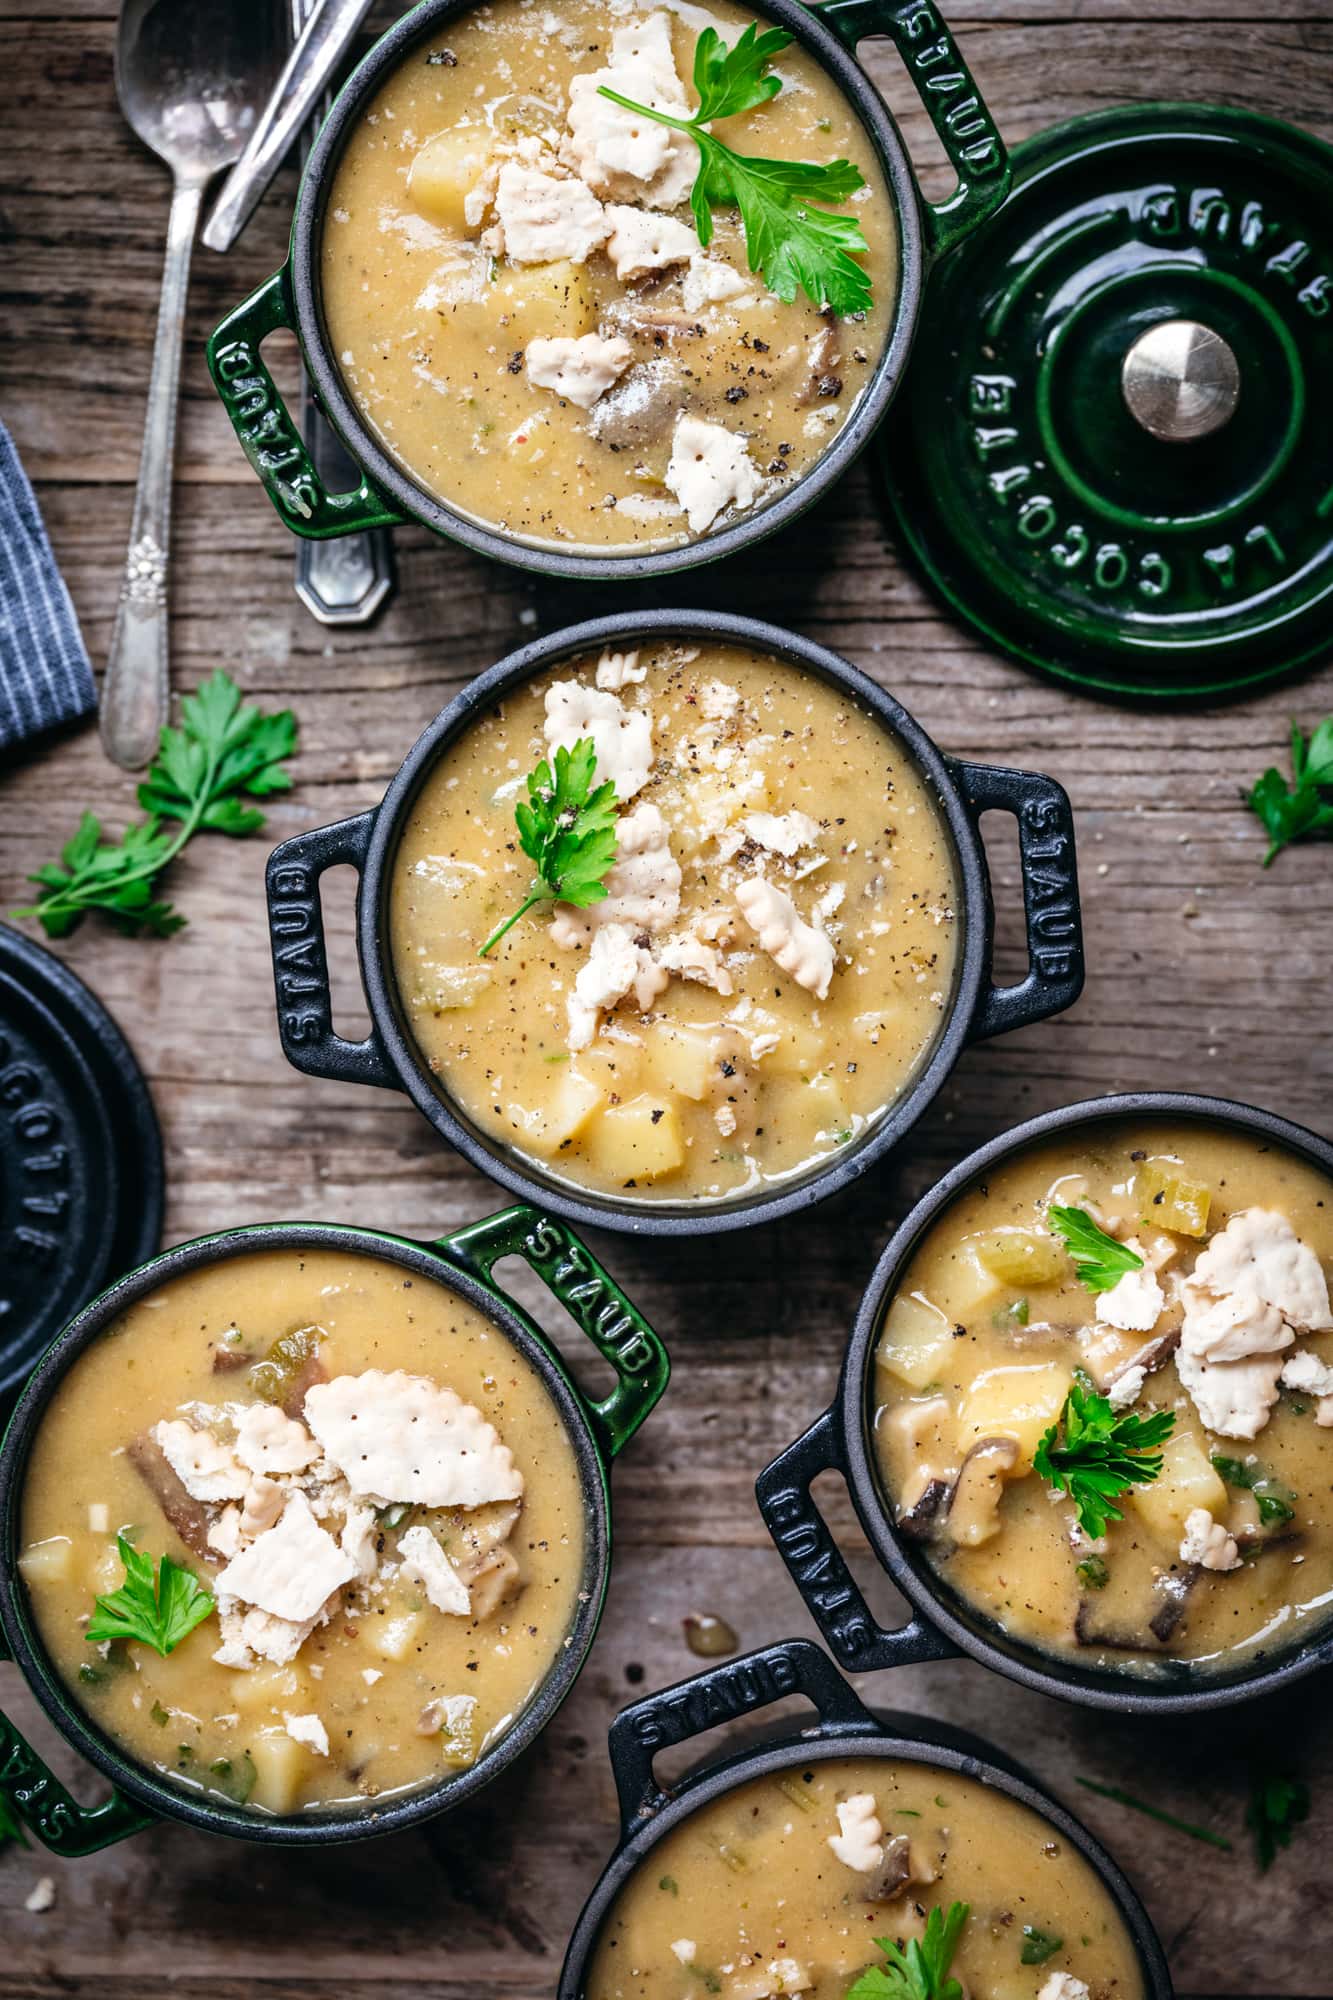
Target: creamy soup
(784,1885)
(771,963)
(375,1489)
(521,306)
(1214,1318)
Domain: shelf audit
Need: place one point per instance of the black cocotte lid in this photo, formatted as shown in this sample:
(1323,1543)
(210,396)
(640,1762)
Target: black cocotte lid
(81,1183)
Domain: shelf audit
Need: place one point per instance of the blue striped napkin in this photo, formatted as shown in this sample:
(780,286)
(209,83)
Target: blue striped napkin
(45,678)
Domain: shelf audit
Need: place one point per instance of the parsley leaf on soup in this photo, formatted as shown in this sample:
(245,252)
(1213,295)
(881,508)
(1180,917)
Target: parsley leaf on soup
(1100,1261)
(159,1607)
(918,1970)
(1301,810)
(568,829)
(794,245)
(1095,1455)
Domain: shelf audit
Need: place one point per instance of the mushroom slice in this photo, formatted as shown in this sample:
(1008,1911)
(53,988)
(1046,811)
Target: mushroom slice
(190,1518)
(893,1874)
(498,1580)
(904,1867)
(974,1510)
(923,1517)
(922,1464)
(1161,1615)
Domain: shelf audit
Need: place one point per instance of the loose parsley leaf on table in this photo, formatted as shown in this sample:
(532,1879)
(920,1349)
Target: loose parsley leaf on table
(1299,810)
(792,244)
(160,1607)
(920,1970)
(1094,1454)
(1123,1798)
(225,752)
(1277,1807)
(1100,1261)
(569,830)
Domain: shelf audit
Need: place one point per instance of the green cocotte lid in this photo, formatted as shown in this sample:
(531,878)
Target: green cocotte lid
(1113,450)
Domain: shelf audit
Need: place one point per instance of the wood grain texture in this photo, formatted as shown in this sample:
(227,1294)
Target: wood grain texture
(1204,973)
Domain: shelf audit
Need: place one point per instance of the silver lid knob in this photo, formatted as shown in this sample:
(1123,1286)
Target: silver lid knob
(1180,380)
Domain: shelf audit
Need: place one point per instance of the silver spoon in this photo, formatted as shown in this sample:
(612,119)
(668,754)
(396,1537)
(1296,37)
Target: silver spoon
(189,74)
(344,579)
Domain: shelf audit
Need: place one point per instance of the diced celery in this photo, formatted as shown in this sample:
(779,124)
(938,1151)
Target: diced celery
(1023,1256)
(290,1353)
(1168,1199)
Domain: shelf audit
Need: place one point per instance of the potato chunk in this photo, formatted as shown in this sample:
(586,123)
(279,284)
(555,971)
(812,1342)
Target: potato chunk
(279,1761)
(1020,1403)
(574,1099)
(1187,1480)
(394,1635)
(638,1141)
(53,1562)
(1169,1200)
(443,173)
(682,1059)
(823,1100)
(801,1050)
(546,300)
(1023,1256)
(917,1340)
(973,1287)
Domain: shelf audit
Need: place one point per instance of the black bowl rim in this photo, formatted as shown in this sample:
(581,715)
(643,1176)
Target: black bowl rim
(18,1627)
(849,1162)
(754,525)
(1120,1694)
(830,1741)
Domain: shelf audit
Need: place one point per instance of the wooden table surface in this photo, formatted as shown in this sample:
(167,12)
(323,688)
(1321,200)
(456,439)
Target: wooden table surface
(1204,973)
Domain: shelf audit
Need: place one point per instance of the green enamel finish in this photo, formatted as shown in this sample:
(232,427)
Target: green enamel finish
(1035,503)
(593,1300)
(956,108)
(39,1800)
(270,437)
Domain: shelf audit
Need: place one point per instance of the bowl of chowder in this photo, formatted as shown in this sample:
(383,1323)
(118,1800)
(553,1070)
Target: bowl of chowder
(807,1863)
(677,918)
(307,1528)
(1086,1411)
(603,287)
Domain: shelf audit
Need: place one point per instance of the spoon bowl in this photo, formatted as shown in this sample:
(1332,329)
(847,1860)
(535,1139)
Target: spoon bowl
(191,76)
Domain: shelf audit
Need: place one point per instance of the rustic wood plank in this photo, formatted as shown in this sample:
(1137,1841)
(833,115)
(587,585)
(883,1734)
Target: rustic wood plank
(1205,973)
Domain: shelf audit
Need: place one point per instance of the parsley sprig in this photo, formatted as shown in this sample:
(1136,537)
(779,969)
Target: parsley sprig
(225,752)
(1300,810)
(159,1607)
(569,830)
(1095,1454)
(1100,1261)
(792,244)
(919,1970)
(1277,1807)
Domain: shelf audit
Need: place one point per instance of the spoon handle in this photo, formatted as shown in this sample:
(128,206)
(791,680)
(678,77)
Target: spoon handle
(136,689)
(344,579)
